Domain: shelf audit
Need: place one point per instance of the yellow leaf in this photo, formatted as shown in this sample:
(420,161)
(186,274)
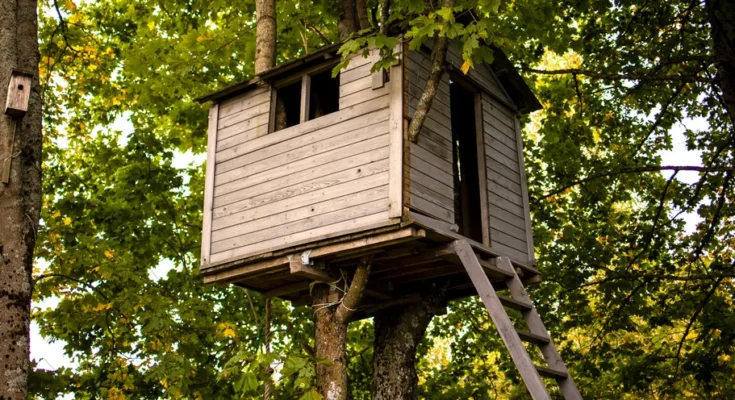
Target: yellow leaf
(465,67)
(101,307)
(151,25)
(109,254)
(229,332)
(67,221)
(70,5)
(202,38)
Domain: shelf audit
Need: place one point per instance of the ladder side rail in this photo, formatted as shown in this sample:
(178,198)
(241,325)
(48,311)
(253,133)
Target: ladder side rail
(536,326)
(502,322)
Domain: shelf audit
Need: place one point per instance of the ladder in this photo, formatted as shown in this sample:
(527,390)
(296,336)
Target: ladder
(512,337)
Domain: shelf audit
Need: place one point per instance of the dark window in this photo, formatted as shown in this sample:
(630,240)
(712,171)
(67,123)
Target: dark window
(324,96)
(288,106)
(466,179)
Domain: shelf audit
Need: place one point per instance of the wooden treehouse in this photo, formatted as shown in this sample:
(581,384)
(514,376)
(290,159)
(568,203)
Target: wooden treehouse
(307,173)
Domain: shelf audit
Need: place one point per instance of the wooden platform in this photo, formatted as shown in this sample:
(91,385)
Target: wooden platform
(407,256)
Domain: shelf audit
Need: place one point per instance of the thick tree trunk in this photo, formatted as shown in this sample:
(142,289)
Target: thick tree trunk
(398,332)
(722,22)
(265,35)
(332,316)
(439,55)
(347,19)
(20,198)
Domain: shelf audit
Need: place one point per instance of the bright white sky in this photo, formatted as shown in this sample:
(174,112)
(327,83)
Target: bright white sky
(50,355)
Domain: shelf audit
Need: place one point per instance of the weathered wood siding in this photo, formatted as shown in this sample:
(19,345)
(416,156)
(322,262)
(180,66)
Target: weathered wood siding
(430,170)
(322,178)
(431,181)
(508,228)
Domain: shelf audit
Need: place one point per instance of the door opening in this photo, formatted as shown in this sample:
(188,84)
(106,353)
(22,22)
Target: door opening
(467,207)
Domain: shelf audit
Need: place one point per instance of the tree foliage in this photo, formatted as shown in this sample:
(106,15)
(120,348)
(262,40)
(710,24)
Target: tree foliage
(640,305)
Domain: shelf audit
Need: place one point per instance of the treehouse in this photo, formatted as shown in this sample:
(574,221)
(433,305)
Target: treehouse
(307,173)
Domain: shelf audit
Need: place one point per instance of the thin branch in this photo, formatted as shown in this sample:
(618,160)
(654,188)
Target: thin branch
(618,77)
(635,170)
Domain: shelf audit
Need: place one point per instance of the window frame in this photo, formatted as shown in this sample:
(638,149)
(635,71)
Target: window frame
(305,77)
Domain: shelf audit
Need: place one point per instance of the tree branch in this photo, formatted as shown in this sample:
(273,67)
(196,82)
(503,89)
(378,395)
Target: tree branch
(349,303)
(634,170)
(617,77)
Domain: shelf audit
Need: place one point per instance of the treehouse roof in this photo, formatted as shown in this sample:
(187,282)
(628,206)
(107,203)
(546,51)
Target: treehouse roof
(507,75)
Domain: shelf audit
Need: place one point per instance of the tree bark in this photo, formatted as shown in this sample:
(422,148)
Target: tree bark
(398,332)
(722,22)
(362,14)
(332,318)
(265,35)
(20,198)
(438,57)
(347,24)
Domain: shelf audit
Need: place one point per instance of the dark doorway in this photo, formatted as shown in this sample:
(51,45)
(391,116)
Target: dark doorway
(467,211)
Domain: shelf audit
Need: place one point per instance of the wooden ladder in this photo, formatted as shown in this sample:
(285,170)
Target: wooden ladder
(512,337)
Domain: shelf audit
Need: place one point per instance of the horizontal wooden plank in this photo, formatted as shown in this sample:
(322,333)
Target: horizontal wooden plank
(440,150)
(505,161)
(329,187)
(502,181)
(510,252)
(306,224)
(358,60)
(502,170)
(364,96)
(244,101)
(493,144)
(507,228)
(501,191)
(356,86)
(243,126)
(491,131)
(416,91)
(435,112)
(443,175)
(499,213)
(233,119)
(240,190)
(418,75)
(499,121)
(354,74)
(316,124)
(503,238)
(432,196)
(285,216)
(513,208)
(242,137)
(324,232)
(371,119)
(502,112)
(431,209)
(431,183)
(229,171)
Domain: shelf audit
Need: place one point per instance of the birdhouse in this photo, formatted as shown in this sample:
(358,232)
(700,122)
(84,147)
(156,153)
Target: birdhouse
(307,172)
(19,93)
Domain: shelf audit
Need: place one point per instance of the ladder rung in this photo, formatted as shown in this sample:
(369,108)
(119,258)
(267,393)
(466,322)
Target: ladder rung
(551,373)
(533,338)
(494,271)
(515,304)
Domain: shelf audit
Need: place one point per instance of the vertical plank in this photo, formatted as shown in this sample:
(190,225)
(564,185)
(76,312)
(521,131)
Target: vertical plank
(536,326)
(272,114)
(395,180)
(501,320)
(305,91)
(378,79)
(524,191)
(481,171)
(209,185)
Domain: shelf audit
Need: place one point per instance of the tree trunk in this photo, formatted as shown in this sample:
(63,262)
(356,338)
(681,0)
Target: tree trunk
(20,198)
(439,55)
(265,35)
(398,331)
(722,22)
(347,24)
(332,316)
(362,14)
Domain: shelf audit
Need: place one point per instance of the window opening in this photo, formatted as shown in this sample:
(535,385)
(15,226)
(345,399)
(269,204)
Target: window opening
(324,96)
(467,207)
(288,106)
